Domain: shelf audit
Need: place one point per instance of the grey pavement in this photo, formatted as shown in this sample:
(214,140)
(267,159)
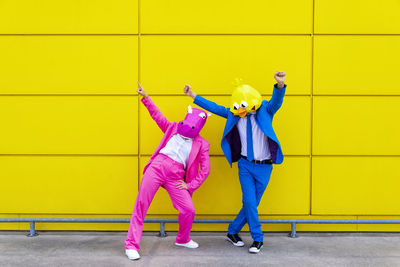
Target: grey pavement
(106,249)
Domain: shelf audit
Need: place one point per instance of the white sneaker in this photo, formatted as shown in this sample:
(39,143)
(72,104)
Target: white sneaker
(132,254)
(190,244)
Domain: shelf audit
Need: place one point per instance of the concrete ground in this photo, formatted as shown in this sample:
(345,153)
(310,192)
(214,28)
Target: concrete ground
(106,249)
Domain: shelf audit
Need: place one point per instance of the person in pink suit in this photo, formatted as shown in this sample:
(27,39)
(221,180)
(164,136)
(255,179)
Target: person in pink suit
(175,166)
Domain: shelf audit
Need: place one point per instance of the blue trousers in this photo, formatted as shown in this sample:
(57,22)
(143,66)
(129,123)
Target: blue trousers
(254,179)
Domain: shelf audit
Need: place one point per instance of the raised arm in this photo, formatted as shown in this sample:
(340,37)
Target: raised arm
(155,113)
(279,92)
(206,104)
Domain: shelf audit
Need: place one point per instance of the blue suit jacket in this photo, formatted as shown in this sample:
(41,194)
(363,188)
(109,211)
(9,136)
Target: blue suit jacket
(230,143)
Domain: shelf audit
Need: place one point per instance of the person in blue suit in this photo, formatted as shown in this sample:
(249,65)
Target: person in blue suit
(253,145)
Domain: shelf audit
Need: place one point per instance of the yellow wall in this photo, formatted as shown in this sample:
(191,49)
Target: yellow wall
(74,137)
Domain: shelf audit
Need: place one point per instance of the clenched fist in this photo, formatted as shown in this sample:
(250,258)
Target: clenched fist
(188,91)
(280,77)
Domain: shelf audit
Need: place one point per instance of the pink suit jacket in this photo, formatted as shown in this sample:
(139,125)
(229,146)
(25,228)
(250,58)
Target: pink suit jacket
(199,155)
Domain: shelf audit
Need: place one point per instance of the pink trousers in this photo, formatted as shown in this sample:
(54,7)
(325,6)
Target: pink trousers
(164,172)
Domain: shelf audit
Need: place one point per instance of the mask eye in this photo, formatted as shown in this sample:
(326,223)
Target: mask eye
(235,106)
(244,104)
(203,115)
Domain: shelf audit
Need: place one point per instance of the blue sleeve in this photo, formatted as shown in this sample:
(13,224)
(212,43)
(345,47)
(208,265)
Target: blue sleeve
(211,106)
(276,100)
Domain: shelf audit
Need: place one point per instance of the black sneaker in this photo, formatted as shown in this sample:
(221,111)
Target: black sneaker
(235,240)
(255,248)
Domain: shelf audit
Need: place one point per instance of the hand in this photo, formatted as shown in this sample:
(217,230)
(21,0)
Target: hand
(188,91)
(141,91)
(181,185)
(280,77)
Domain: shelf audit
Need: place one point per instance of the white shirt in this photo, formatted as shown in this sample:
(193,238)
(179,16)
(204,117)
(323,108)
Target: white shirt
(178,148)
(260,140)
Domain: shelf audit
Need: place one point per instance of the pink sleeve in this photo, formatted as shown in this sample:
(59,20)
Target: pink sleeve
(204,169)
(156,114)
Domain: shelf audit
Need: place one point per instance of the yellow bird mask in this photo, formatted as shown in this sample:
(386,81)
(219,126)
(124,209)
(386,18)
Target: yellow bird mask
(245,99)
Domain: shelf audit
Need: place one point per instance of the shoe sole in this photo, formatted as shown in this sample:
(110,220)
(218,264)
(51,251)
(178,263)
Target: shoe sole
(255,252)
(180,245)
(135,259)
(233,243)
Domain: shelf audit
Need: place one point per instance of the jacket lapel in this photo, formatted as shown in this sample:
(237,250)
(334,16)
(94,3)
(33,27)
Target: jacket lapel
(195,150)
(173,131)
(167,136)
(258,118)
(230,123)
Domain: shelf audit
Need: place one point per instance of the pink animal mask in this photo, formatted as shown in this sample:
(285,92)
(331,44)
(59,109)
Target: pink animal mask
(193,123)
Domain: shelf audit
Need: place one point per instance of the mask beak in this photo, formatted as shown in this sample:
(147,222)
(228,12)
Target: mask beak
(242,112)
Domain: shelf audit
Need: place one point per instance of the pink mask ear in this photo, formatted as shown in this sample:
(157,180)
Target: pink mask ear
(190,109)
